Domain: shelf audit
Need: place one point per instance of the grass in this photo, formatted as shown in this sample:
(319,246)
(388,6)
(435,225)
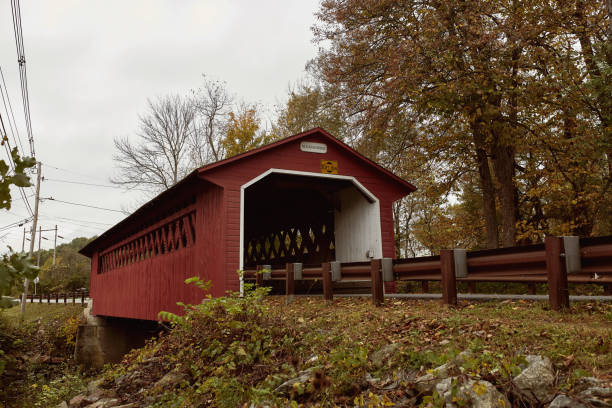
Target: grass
(427,327)
(44,312)
(232,351)
(501,288)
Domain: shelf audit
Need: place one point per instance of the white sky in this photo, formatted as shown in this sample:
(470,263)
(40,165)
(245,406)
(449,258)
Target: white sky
(92,64)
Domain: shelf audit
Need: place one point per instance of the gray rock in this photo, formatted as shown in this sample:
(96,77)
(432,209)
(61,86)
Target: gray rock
(171,379)
(94,385)
(380,357)
(597,392)
(371,380)
(302,377)
(479,394)
(464,356)
(129,378)
(93,397)
(78,401)
(62,405)
(597,396)
(563,401)
(537,379)
(104,403)
(425,384)
(590,381)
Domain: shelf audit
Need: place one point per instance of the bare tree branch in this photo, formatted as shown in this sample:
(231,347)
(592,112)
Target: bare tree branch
(160,157)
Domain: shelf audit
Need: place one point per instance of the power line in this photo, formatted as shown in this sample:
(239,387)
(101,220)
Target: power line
(21,198)
(56,217)
(10,113)
(92,184)
(91,227)
(82,205)
(21,60)
(15,224)
(7,148)
(73,172)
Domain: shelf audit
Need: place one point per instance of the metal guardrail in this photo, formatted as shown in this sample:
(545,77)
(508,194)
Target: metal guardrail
(56,298)
(557,262)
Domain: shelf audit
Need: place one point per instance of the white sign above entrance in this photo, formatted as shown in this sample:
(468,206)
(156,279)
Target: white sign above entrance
(313,147)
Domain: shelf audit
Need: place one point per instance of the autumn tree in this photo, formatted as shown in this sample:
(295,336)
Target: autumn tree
(310,105)
(494,90)
(242,131)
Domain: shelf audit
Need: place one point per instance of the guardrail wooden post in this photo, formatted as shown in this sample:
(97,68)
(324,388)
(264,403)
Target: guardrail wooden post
(289,283)
(558,294)
(608,289)
(259,276)
(65,298)
(472,287)
(449,286)
(48,298)
(328,291)
(73,298)
(531,288)
(82,298)
(425,286)
(377,284)
(56,298)
(40,298)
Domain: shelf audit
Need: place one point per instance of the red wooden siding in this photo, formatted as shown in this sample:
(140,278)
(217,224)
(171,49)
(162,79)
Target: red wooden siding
(145,272)
(208,263)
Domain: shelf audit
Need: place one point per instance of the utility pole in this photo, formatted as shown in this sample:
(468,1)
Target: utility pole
(24,295)
(39,238)
(54,244)
(23,241)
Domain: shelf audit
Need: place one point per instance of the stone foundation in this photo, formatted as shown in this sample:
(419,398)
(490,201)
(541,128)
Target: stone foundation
(104,340)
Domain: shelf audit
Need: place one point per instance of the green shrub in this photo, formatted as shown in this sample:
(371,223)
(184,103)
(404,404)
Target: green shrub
(58,390)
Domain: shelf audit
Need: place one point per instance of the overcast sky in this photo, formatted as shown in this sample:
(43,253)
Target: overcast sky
(92,65)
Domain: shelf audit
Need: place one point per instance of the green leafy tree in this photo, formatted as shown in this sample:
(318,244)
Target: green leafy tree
(14,268)
(17,176)
(71,270)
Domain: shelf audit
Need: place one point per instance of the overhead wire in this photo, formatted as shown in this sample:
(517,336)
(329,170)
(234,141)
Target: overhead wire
(73,172)
(15,224)
(21,60)
(92,184)
(83,205)
(77,220)
(19,45)
(91,227)
(7,147)
(10,112)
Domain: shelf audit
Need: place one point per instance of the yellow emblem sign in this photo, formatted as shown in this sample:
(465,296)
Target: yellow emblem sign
(329,167)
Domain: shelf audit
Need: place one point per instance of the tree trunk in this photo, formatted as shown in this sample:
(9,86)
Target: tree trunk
(503,163)
(397,226)
(486,185)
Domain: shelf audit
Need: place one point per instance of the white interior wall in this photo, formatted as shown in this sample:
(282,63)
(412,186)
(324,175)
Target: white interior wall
(357,226)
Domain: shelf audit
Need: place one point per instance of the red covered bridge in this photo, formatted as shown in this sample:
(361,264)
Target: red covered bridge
(308,198)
